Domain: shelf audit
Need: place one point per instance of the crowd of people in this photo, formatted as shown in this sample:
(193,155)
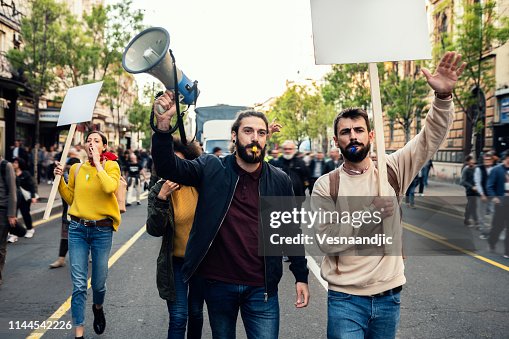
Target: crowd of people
(486,187)
(206,209)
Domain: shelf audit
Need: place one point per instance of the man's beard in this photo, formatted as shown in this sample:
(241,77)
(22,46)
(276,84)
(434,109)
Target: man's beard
(288,156)
(358,154)
(252,158)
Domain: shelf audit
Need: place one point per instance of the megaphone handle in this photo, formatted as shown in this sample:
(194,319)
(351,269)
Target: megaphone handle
(155,129)
(160,109)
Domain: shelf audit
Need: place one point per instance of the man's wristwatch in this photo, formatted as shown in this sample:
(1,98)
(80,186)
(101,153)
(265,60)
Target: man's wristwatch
(443,96)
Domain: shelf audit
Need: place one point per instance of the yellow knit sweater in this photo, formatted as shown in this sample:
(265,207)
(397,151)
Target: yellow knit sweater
(184,203)
(92,195)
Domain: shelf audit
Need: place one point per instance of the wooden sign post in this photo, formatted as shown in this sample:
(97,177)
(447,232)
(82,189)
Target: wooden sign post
(378,122)
(56,182)
(78,106)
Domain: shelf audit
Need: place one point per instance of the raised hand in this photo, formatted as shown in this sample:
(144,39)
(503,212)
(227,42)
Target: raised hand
(96,156)
(167,189)
(447,73)
(274,127)
(59,169)
(167,103)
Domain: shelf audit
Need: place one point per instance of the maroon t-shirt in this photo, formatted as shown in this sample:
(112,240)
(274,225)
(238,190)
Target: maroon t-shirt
(233,256)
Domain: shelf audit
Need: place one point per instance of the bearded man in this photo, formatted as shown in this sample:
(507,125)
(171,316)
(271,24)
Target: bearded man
(364,290)
(223,243)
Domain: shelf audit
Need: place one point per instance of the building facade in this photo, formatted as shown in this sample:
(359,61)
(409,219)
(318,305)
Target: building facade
(494,135)
(17,118)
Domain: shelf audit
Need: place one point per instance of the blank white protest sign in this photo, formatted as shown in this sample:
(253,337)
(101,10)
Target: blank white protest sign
(79,104)
(360,31)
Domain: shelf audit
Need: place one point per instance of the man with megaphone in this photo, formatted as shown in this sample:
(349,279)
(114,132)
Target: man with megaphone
(223,243)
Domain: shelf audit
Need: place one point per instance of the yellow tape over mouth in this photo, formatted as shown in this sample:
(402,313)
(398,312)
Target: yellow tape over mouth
(255,149)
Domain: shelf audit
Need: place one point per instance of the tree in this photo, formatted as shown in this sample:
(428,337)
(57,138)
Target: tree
(139,115)
(347,86)
(121,24)
(42,32)
(478,32)
(302,112)
(404,97)
(94,49)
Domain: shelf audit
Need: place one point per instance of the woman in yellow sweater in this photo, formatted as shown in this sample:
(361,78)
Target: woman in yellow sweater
(94,214)
(171,210)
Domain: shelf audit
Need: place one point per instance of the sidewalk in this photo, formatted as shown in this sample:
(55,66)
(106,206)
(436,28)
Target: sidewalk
(446,197)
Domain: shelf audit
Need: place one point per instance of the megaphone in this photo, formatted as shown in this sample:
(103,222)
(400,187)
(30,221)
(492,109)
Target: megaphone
(148,52)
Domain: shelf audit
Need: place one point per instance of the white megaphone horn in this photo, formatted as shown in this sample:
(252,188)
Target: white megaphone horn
(148,52)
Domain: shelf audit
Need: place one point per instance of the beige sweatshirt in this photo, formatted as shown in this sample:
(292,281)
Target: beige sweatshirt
(367,275)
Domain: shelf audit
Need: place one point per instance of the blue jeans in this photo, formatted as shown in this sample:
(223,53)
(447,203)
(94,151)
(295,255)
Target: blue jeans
(410,193)
(83,240)
(356,317)
(261,319)
(186,306)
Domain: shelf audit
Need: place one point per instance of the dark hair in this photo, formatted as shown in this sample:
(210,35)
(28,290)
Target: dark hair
(190,151)
(216,149)
(22,164)
(505,154)
(468,158)
(351,113)
(245,114)
(72,161)
(103,136)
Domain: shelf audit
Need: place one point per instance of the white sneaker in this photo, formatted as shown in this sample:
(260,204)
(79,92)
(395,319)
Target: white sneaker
(30,233)
(12,238)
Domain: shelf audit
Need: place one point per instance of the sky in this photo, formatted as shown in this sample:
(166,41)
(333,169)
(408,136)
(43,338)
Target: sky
(242,52)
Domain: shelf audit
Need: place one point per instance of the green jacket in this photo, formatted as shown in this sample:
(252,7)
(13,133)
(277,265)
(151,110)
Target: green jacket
(160,222)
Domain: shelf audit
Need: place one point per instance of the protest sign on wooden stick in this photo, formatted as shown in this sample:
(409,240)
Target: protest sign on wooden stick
(346,31)
(78,107)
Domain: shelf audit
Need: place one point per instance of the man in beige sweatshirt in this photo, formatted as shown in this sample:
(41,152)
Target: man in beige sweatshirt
(364,289)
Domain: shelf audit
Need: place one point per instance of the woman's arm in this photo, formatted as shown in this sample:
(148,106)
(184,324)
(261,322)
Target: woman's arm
(160,212)
(66,189)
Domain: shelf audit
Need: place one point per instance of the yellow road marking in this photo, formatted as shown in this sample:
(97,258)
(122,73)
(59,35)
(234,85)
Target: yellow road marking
(59,313)
(422,232)
(440,212)
(40,222)
(443,241)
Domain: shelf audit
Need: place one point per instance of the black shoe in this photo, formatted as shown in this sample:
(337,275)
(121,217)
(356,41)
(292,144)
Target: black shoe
(99,320)
(138,203)
(128,204)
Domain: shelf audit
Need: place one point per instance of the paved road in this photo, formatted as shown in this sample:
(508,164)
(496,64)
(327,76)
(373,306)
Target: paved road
(447,295)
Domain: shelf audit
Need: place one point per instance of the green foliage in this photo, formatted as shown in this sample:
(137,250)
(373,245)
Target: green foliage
(347,86)
(303,113)
(42,33)
(139,118)
(404,98)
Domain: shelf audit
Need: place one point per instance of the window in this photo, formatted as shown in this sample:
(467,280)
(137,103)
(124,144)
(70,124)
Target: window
(3,46)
